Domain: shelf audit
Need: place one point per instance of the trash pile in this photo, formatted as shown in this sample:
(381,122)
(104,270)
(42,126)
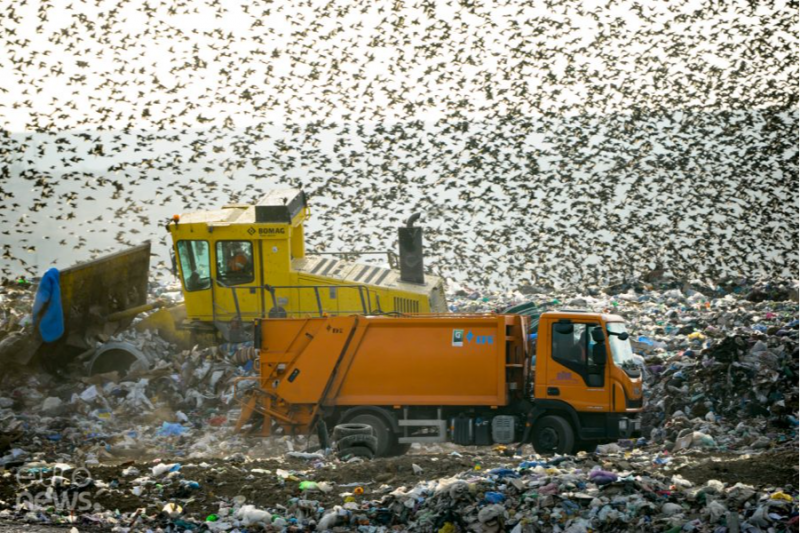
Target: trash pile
(16,304)
(734,392)
(154,447)
(110,415)
(632,491)
(720,360)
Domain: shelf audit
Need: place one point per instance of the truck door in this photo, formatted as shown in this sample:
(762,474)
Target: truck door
(577,372)
(237,281)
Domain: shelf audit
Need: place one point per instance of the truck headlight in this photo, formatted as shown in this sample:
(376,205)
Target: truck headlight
(623,425)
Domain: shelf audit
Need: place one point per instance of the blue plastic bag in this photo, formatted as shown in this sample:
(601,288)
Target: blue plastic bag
(48,316)
(170,429)
(494,497)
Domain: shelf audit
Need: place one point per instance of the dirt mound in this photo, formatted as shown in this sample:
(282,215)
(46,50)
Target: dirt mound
(767,470)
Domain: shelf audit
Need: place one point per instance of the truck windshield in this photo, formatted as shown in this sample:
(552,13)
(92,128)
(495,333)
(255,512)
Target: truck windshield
(195,265)
(621,350)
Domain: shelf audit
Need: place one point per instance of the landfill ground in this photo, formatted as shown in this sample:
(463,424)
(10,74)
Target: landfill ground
(776,469)
(255,482)
(155,450)
(221,478)
(227,479)
(23,528)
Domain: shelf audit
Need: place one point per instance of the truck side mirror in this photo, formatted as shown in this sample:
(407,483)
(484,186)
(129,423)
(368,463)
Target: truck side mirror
(599,354)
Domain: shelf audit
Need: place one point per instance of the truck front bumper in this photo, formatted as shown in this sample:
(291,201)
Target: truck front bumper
(624,426)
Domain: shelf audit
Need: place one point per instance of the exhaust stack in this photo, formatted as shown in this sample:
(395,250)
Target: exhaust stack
(410,241)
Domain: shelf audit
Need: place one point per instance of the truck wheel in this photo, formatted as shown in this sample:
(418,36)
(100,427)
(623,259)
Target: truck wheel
(386,437)
(588,446)
(400,449)
(553,434)
(358,440)
(355,451)
(345,430)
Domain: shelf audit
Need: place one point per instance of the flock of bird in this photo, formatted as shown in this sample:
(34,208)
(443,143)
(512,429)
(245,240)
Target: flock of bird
(559,141)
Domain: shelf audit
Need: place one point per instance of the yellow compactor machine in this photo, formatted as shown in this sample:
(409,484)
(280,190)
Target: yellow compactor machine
(244,262)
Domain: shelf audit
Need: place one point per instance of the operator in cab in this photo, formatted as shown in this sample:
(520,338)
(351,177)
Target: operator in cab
(240,262)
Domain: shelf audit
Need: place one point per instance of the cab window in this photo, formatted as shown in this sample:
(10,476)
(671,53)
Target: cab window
(235,262)
(195,265)
(570,343)
(575,348)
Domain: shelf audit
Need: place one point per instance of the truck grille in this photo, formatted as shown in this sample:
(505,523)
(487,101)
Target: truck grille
(404,305)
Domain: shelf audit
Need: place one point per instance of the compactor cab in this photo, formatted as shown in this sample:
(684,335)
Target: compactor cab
(243,262)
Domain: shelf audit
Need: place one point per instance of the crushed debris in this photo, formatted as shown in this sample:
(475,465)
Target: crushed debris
(154,447)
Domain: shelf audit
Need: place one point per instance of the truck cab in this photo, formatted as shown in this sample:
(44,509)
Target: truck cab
(587,383)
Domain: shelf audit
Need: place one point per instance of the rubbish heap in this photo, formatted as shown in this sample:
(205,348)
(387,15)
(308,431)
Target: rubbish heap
(630,491)
(720,360)
(106,415)
(154,447)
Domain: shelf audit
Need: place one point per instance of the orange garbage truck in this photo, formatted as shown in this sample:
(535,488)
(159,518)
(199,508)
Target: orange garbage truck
(467,379)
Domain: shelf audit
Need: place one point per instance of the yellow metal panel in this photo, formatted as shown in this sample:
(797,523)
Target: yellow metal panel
(298,242)
(95,289)
(282,261)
